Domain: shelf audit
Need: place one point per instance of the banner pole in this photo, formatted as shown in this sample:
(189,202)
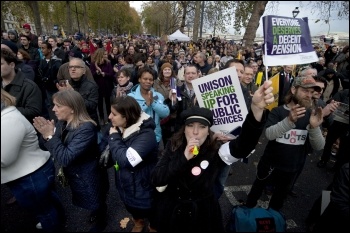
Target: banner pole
(267,67)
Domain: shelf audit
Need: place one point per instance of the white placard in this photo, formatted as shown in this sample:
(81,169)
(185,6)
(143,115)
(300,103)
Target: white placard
(221,92)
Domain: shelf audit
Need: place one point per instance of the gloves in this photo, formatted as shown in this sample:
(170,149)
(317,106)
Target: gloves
(105,156)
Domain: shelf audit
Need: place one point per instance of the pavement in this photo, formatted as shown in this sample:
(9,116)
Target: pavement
(308,187)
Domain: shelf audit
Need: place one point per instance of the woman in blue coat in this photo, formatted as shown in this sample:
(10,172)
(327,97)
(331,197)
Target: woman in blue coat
(134,149)
(73,145)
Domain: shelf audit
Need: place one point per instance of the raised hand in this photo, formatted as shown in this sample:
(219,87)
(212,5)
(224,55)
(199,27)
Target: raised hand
(296,112)
(261,98)
(330,108)
(43,126)
(149,98)
(316,117)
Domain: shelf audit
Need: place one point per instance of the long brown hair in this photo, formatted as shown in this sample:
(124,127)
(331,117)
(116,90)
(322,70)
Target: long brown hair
(179,139)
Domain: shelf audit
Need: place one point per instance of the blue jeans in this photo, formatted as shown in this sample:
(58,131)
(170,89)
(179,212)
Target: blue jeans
(36,192)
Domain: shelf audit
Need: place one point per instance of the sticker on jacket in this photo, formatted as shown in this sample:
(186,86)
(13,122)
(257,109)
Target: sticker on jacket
(133,157)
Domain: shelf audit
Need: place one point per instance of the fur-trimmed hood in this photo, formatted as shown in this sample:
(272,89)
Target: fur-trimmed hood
(145,120)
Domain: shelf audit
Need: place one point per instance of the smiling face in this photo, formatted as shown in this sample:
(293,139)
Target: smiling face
(117,119)
(167,72)
(247,76)
(146,81)
(196,130)
(190,74)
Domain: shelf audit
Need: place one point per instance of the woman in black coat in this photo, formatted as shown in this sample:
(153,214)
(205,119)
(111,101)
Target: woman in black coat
(185,179)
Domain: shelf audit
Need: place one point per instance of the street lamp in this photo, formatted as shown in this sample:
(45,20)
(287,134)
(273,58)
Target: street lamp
(295,12)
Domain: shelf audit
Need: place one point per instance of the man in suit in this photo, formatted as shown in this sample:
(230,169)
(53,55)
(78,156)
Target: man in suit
(285,82)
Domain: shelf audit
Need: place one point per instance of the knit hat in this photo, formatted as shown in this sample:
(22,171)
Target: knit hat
(306,82)
(76,53)
(166,65)
(181,51)
(11,45)
(197,114)
(26,26)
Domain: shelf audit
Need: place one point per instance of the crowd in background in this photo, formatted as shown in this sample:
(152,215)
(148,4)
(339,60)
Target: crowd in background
(105,70)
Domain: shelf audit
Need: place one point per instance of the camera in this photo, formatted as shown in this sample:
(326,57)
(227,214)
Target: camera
(44,79)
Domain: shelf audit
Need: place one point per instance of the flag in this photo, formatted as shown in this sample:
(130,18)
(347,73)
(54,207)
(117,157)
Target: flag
(275,85)
(63,34)
(259,78)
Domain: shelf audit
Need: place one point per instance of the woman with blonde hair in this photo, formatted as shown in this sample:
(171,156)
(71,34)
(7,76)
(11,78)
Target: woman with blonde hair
(102,71)
(27,170)
(73,144)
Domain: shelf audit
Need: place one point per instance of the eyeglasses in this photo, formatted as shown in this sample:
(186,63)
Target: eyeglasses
(75,67)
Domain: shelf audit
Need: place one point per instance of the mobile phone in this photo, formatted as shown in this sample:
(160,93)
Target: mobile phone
(63,83)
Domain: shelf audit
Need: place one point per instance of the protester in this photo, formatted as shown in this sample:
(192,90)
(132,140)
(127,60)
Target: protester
(124,85)
(73,144)
(27,170)
(185,181)
(134,150)
(151,101)
(103,73)
(27,93)
(285,153)
(79,82)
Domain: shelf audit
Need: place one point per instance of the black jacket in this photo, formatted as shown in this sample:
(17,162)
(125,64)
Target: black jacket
(47,73)
(28,96)
(89,91)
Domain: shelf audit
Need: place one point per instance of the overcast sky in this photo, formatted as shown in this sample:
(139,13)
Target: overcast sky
(285,9)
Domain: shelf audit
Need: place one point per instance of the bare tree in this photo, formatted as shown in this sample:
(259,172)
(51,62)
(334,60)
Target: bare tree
(184,5)
(69,17)
(253,24)
(85,18)
(197,15)
(34,6)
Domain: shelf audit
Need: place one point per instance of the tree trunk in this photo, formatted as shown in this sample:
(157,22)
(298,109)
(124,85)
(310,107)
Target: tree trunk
(34,6)
(69,19)
(197,15)
(253,24)
(184,5)
(85,20)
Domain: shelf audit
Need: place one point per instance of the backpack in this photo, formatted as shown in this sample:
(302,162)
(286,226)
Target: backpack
(244,219)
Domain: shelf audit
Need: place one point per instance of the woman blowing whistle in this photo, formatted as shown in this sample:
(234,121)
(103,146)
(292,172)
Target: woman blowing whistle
(186,172)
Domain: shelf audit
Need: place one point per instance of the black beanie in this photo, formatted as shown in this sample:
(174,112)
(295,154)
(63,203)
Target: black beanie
(11,45)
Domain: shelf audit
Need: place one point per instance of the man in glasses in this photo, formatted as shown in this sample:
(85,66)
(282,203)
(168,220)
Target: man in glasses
(79,82)
(63,72)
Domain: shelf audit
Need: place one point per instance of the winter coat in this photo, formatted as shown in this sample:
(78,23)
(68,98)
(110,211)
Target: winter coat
(157,110)
(47,73)
(28,96)
(78,154)
(188,203)
(89,91)
(133,179)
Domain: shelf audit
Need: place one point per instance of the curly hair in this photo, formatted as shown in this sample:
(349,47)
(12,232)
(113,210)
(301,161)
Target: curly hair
(97,57)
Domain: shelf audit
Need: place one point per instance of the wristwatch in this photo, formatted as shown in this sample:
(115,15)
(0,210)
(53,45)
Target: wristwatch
(48,137)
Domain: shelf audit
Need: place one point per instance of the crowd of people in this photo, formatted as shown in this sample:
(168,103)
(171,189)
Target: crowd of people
(61,96)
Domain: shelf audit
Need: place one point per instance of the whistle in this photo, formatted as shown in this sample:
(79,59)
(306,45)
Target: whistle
(194,151)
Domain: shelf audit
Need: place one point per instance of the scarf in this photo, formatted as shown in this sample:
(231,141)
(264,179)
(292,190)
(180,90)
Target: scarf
(122,90)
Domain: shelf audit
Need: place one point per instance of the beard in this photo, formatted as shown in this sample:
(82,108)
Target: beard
(307,103)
